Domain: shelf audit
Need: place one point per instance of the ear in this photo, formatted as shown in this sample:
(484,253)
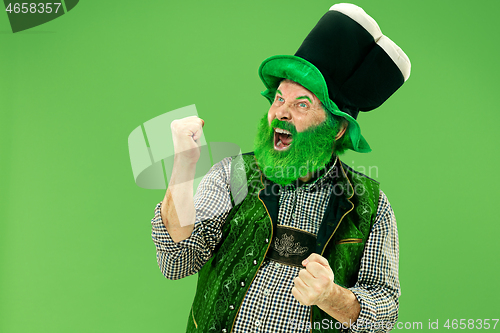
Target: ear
(343,128)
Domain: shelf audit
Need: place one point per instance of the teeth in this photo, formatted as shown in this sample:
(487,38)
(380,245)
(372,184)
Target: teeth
(279,143)
(282,131)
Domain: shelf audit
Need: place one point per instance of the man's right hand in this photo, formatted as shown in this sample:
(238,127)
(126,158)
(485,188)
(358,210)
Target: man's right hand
(177,209)
(186,134)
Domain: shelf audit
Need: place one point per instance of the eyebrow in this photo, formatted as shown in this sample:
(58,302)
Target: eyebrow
(307,97)
(300,97)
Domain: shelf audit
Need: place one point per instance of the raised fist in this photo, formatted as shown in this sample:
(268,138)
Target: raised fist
(186,134)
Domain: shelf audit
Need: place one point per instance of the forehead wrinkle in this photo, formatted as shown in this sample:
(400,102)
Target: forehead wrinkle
(303,96)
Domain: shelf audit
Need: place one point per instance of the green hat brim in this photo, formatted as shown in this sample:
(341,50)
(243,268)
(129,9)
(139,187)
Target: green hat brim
(274,69)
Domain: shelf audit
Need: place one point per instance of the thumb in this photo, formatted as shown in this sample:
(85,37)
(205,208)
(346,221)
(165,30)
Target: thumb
(317,258)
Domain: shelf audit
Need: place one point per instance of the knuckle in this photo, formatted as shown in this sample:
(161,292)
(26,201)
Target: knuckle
(315,265)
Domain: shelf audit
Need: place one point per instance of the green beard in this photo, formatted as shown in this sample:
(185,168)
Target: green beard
(309,151)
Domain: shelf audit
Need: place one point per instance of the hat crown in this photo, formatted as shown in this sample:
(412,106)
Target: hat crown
(362,68)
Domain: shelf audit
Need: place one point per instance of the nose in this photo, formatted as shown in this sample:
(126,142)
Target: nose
(283,113)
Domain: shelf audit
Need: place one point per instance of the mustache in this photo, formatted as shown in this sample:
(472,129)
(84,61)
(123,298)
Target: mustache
(276,123)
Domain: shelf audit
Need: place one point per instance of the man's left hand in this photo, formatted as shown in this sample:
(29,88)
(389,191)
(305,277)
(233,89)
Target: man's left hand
(314,285)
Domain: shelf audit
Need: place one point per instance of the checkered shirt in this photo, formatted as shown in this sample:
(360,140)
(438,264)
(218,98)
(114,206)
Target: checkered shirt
(269,305)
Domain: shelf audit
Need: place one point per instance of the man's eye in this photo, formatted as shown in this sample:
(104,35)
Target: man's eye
(303,105)
(279,99)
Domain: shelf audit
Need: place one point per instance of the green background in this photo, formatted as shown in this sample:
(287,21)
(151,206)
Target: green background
(76,253)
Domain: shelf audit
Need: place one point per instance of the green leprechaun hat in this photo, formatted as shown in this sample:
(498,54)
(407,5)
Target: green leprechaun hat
(347,63)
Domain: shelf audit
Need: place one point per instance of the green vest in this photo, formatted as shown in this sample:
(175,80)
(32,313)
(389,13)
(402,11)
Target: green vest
(247,233)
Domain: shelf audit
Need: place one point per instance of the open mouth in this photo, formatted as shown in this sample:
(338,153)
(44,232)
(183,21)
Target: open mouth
(282,139)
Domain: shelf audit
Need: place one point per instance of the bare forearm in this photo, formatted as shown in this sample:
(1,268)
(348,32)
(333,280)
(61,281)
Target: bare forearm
(177,209)
(343,305)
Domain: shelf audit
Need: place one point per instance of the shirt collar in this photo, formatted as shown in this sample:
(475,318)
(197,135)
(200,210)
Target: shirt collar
(320,177)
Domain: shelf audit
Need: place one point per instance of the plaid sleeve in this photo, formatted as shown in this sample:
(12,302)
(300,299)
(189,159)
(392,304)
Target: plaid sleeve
(212,204)
(377,288)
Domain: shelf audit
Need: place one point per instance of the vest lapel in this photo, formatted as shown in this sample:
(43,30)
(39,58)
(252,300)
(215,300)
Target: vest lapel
(269,196)
(339,205)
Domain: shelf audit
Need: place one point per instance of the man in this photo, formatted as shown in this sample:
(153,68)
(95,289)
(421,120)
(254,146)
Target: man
(291,239)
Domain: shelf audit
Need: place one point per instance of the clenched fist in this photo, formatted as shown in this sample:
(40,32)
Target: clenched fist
(314,285)
(186,134)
